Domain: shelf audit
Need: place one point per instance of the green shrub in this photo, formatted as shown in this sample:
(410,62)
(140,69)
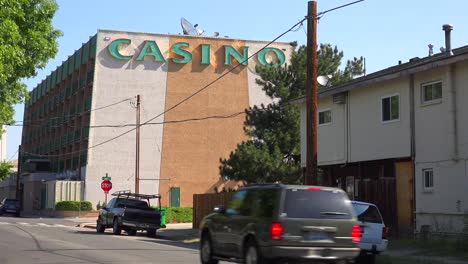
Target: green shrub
(179,214)
(73,206)
(67,206)
(86,206)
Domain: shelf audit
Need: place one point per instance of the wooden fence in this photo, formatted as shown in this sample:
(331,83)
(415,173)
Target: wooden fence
(203,205)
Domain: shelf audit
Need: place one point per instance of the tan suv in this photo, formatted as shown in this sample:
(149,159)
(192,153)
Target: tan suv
(282,222)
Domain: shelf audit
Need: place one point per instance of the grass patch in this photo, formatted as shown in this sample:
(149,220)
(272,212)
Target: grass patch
(457,247)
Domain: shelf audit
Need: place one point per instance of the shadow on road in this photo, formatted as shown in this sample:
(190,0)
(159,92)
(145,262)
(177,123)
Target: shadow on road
(172,243)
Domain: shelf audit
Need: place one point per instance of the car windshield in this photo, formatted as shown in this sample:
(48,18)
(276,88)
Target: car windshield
(304,203)
(367,213)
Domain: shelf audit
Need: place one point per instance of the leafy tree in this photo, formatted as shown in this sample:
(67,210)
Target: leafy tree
(272,152)
(5,170)
(27,42)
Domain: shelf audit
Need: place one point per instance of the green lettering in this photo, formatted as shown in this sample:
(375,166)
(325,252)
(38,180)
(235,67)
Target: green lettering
(151,49)
(114,49)
(231,52)
(205,52)
(261,56)
(177,49)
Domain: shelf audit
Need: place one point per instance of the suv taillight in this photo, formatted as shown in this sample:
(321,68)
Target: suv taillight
(356,233)
(384,232)
(276,230)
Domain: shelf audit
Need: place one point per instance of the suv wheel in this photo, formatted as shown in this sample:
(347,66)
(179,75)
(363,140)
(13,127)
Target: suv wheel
(252,255)
(206,250)
(100,227)
(116,229)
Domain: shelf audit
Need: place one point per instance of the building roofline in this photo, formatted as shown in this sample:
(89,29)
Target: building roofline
(415,65)
(188,36)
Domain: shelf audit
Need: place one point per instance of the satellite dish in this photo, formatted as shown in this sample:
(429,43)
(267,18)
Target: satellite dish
(190,29)
(324,80)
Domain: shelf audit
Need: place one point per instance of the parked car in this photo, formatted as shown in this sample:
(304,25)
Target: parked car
(281,222)
(374,232)
(130,212)
(10,206)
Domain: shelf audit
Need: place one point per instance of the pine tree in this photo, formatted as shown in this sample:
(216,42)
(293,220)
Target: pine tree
(272,152)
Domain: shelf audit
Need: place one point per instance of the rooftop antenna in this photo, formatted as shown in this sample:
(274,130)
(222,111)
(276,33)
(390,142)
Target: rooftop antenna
(431,49)
(190,29)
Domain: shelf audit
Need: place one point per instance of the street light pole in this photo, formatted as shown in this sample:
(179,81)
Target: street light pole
(311,95)
(137,166)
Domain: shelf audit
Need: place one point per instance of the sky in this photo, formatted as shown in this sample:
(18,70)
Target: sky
(382,31)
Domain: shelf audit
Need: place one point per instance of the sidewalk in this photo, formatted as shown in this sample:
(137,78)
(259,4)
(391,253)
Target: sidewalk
(179,232)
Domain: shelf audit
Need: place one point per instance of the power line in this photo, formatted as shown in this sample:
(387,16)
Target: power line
(12,156)
(150,123)
(321,14)
(62,116)
(183,100)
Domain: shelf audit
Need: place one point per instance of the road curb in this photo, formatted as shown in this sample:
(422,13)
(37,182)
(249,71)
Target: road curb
(87,225)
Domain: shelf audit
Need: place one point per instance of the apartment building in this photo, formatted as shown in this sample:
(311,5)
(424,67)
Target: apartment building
(399,138)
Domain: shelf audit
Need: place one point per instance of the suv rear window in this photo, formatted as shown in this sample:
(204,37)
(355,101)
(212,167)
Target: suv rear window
(367,213)
(303,203)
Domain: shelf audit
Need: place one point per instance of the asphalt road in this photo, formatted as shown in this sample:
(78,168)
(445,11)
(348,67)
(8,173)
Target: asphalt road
(58,241)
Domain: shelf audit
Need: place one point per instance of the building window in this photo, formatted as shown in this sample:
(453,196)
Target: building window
(325,117)
(431,92)
(428,180)
(391,108)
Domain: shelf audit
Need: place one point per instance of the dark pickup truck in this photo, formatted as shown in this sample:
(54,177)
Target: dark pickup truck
(130,212)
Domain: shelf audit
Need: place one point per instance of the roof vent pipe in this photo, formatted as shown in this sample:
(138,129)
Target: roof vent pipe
(448,45)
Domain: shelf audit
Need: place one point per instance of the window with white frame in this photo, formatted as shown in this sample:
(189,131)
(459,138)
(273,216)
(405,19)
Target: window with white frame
(391,108)
(325,117)
(431,92)
(428,180)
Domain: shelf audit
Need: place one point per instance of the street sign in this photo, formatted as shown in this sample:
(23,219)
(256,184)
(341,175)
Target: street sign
(106,185)
(106,177)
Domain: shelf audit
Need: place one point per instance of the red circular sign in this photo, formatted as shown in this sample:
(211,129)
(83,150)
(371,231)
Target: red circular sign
(106,185)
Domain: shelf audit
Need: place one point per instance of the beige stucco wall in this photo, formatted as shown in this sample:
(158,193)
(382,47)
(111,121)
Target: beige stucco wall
(331,146)
(116,80)
(443,207)
(370,138)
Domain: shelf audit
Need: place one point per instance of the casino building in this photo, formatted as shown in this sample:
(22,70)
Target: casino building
(82,117)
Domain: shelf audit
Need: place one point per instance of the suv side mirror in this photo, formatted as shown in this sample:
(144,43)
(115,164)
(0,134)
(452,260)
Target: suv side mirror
(219,209)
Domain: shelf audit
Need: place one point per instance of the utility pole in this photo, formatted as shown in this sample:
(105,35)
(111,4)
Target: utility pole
(18,175)
(137,166)
(311,95)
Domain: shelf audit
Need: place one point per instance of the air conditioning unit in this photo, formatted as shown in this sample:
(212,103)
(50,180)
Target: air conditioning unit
(339,98)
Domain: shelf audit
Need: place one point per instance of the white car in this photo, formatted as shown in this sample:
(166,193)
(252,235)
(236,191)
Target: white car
(373,231)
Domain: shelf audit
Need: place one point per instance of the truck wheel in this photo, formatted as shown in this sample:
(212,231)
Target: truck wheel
(151,232)
(116,229)
(131,232)
(100,228)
